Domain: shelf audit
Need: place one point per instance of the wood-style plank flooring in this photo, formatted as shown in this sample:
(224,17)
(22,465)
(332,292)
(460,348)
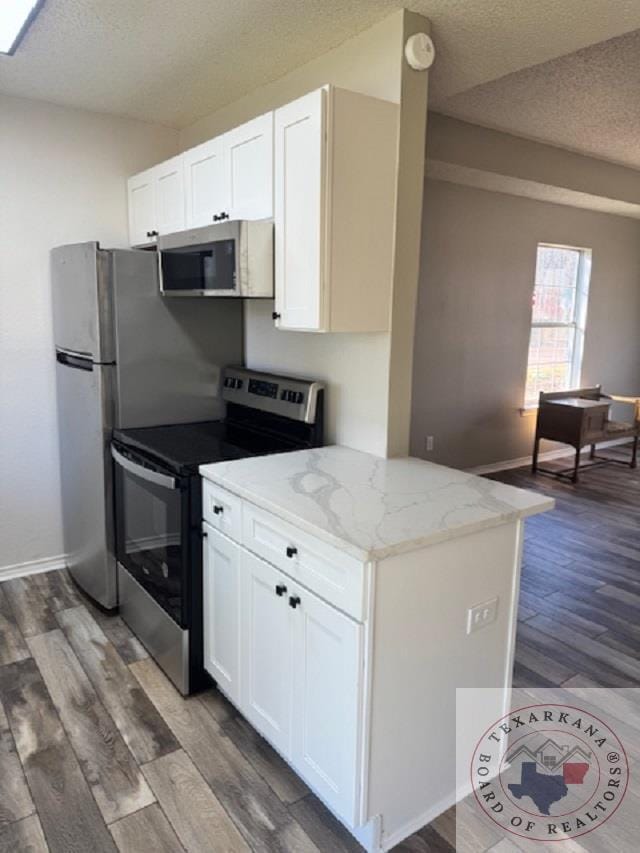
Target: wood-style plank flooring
(98,752)
(580,590)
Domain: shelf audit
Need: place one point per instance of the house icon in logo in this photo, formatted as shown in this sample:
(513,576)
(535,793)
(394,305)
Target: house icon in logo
(550,755)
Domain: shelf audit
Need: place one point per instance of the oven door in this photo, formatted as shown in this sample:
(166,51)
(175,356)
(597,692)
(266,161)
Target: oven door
(201,262)
(152,529)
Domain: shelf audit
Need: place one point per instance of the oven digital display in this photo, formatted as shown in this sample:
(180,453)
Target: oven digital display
(263,389)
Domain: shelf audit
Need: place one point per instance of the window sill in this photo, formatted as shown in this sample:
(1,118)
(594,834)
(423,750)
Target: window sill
(528,411)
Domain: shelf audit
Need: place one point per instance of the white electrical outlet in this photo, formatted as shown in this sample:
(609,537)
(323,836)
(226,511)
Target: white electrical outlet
(481,615)
(428,444)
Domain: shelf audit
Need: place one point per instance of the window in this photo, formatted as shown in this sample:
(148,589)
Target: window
(558,320)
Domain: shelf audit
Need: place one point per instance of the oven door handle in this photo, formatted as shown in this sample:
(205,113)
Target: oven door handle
(144,473)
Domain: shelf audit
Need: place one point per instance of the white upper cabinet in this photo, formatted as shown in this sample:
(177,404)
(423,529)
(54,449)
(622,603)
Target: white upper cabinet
(169,183)
(324,167)
(142,208)
(206,184)
(248,152)
(300,164)
(156,202)
(334,211)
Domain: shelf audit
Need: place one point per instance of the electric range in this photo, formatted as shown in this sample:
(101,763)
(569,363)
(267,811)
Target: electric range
(158,502)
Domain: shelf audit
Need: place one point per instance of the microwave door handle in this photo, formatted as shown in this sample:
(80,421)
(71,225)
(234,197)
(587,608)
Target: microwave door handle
(144,473)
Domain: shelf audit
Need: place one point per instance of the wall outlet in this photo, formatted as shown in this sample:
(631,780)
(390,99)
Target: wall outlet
(481,615)
(428,443)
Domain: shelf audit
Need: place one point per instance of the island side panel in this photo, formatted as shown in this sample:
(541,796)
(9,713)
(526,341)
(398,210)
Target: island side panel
(421,653)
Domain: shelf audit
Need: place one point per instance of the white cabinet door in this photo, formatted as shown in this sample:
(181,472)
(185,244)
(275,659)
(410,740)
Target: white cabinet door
(206,185)
(266,651)
(249,168)
(328,685)
(221,611)
(169,181)
(141,191)
(300,166)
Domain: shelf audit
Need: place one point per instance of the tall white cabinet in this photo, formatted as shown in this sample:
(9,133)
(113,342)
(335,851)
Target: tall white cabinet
(335,167)
(301,165)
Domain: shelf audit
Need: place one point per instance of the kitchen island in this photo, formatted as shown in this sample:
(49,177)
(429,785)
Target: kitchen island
(346,597)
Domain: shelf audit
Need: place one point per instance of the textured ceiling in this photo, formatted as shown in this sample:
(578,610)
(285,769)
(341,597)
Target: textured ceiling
(588,101)
(173,61)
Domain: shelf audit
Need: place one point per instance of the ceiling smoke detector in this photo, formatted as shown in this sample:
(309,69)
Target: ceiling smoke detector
(420,51)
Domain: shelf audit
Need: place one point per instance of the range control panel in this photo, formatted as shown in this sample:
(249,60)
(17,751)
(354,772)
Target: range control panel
(281,395)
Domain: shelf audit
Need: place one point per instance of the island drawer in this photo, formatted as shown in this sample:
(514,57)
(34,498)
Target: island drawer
(333,575)
(222,510)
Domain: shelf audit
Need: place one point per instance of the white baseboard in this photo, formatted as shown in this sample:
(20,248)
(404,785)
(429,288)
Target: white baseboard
(32,567)
(543,457)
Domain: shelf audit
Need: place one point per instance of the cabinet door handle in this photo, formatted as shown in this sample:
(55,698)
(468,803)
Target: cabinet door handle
(280,589)
(218,510)
(291,551)
(275,316)
(294,601)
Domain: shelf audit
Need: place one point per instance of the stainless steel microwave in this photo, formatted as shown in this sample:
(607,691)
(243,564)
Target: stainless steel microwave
(233,258)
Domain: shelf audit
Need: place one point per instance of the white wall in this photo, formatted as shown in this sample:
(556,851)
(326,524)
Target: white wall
(62,179)
(355,366)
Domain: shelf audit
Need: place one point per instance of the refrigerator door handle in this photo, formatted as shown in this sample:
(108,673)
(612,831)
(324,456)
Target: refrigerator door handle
(142,472)
(77,360)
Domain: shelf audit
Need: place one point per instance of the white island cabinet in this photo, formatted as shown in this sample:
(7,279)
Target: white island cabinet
(338,589)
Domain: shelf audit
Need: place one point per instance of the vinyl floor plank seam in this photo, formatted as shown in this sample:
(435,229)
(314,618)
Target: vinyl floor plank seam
(113,776)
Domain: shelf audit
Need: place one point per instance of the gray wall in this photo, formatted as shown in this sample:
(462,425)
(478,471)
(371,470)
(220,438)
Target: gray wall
(474,306)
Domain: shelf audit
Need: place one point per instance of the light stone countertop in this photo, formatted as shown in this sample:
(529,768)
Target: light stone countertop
(372,507)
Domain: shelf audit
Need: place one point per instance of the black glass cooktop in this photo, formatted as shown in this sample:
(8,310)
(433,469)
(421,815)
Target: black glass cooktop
(183,447)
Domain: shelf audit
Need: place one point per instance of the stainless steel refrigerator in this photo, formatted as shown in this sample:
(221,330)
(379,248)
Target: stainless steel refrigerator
(125,357)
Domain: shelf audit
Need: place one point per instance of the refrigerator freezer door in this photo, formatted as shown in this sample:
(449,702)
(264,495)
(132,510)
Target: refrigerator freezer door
(82,301)
(85,420)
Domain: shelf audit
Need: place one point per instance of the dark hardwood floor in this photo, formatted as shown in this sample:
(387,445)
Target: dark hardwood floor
(98,752)
(580,589)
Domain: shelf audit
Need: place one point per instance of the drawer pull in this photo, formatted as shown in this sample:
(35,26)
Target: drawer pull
(280,589)
(218,510)
(294,601)
(291,551)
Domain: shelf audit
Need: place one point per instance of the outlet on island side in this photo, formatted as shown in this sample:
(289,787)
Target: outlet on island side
(428,443)
(482,615)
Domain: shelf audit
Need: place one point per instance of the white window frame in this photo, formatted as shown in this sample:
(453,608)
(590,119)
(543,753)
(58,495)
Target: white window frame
(578,324)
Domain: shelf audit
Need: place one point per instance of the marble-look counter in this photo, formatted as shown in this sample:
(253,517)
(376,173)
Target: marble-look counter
(372,507)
